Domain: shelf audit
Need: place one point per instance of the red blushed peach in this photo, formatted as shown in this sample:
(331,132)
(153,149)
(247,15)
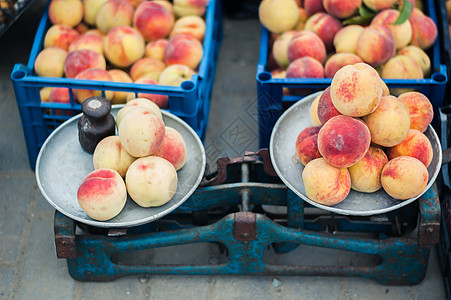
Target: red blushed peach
(366,174)
(102,194)
(375,45)
(120,76)
(93,74)
(402,32)
(155,49)
(161,100)
(280,48)
(424,30)
(389,123)
(305,67)
(420,110)
(60,36)
(50,62)
(343,141)
(147,68)
(307,144)
(418,55)
(416,144)
(87,41)
(114,13)
(183,49)
(325,26)
(134,103)
(141,132)
(60,95)
(324,183)
(326,109)
(306,43)
(313,6)
(401,67)
(338,61)
(378,5)
(341,9)
(123,45)
(189,7)
(153,20)
(356,90)
(66,12)
(110,154)
(404,177)
(173,148)
(192,25)
(314,111)
(91,7)
(345,40)
(278,15)
(80,60)
(151,181)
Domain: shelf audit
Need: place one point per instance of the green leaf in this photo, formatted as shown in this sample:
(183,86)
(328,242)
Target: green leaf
(359,20)
(404,13)
(365,11)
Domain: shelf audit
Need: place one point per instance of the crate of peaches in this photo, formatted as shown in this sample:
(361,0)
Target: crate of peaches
(164,51)
(301,54)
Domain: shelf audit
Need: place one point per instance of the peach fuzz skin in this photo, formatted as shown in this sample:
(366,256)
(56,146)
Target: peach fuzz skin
(417,145)
(420,110)
(79,60)
(110,154)
(306,43)
(326,109)
(307,144)
(324,183)
(153,20)
(173,148)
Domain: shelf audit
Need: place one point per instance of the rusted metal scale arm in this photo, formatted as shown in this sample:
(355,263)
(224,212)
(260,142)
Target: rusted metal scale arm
(429,225)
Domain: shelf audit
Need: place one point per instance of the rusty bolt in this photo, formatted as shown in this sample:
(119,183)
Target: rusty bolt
(244,235)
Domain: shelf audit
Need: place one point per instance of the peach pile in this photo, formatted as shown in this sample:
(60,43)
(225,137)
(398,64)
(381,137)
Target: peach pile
(142,160)
(133,40)
(365,140)
(331,32)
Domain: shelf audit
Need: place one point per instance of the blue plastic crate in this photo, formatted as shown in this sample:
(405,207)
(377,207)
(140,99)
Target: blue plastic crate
(272,103)
(189,101)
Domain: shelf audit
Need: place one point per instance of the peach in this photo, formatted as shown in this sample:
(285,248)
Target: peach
(341,9)
(123,45)
(307,144)
(301,19)
(420,110)
(326,109)
(378,5)
(91,7)
(87,41)
(166,4)
(306,43)
(137,102)
(416,144)
(147,68)
(337,61)
(356,90)
(278,15)
(161,100)
(135,3)
(389,124)
(60,36)
(50,62)
(174,75)
(95,31)
(189,7)
(385,89)
(325,26)
(313,6)
(66,12)
(153,20)
(305,67)
(114,13)
(345,39)
(418,55)
(102,194)
(314,111)
(183,49)
(192,25)
(375,45)
(80,60)
(401,67)
(155,49)
(151,181)
(44,93)
(141,132)
(60,95)
(366,173)
(93,74)
(343,141)
(173,148)
(424,30)
(324,183)
(110,154)
(402,32)
(120,76)
(280,48)
(404,177)
(82,28)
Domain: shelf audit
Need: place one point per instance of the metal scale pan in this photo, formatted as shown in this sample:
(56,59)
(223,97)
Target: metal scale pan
(289,169)
(62,165)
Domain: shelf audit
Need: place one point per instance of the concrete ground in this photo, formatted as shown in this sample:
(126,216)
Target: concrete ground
(29,268)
